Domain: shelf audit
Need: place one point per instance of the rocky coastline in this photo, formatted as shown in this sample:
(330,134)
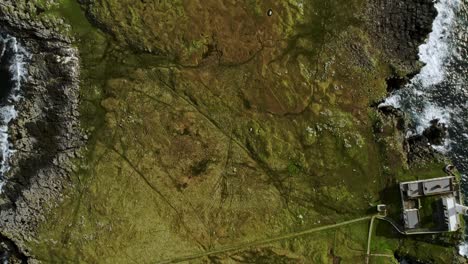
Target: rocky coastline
(399,28)
(46,135)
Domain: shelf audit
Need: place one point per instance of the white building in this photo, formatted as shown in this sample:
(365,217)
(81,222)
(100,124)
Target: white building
(452,211)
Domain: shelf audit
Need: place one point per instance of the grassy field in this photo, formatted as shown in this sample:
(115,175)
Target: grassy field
(212,123)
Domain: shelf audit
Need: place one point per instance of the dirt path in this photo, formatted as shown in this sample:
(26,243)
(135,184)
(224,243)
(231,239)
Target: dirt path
(400,229)
(254,243)
(396,227)
(382,255)
(369,238)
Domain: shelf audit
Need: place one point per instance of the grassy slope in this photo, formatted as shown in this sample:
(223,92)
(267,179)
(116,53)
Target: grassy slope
(213,124)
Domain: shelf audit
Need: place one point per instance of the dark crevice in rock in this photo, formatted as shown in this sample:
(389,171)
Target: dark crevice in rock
(420,147)
(10,253)
(6,78)
(420,151)
(395,83)
(406,259)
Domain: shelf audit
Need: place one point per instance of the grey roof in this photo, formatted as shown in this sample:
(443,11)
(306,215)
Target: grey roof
(437,186)
(416,189)
(411,217)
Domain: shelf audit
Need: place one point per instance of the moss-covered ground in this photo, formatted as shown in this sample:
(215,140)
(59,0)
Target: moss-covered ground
(211,123)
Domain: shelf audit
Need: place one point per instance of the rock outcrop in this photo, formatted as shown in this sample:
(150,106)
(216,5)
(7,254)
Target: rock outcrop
(46,134)
(400,27)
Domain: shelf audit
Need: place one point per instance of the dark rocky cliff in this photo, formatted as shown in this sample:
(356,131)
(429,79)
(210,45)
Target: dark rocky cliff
(399,27)
(46,134)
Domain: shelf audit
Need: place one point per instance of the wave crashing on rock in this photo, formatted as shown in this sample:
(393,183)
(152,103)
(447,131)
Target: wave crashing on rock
(12,73)
(435,92)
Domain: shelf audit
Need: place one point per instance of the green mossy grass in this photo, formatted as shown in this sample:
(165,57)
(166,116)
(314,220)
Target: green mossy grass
(191,150)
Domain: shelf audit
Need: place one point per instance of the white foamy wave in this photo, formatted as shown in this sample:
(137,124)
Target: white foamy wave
(463,249)
(415,98)
(429,113)
(7,110)
(435,51)
(393,100)
(433,54)
(445,148)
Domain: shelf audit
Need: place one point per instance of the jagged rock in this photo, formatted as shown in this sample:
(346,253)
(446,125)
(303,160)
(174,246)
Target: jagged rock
(397,115)
(436,133)
(9,251)
(420,150)
(46,129)
(400,26)
(420,147)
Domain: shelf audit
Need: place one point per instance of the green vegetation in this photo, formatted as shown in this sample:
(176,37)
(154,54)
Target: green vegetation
(206,133)
(433,253)
(430,208)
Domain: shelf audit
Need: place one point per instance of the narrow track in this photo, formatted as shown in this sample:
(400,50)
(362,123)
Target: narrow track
(400,229)
(254,243)
(369,238)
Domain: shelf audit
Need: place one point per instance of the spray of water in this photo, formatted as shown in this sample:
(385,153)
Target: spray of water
(417,97)
(16,61)
(440,90)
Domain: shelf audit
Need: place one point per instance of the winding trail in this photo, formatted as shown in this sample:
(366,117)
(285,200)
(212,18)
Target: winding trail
(254,243)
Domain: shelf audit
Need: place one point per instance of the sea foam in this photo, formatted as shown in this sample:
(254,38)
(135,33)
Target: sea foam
(8,111)
(416,98)
(440,90)
(437,49)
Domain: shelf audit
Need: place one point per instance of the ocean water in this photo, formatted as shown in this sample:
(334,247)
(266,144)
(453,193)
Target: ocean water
(12,73)
(440,90)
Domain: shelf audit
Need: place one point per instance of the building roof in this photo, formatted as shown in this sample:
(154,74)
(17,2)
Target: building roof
(450,213)
(434,186)
(414,189)
(437,186)
(445,187)
(411,218)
